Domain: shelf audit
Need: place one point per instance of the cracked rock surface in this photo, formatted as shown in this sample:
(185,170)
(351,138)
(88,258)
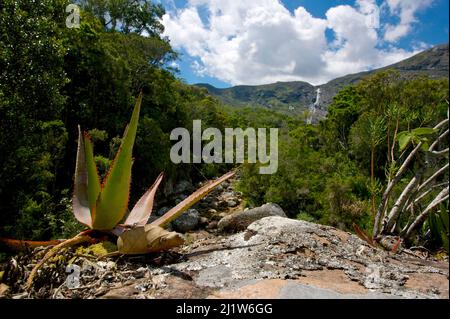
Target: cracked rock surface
(275,257)
(282,258)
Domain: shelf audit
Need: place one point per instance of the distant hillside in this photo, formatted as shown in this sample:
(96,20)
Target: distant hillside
(279,96)
(432,62)
(296,97)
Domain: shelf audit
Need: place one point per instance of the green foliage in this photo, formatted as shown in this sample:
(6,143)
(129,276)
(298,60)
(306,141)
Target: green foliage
(54,78)
(32,136)
(438,225)
(342,114)
(333,173)
(415,136)
(288,98)
(127,16)
(310,183)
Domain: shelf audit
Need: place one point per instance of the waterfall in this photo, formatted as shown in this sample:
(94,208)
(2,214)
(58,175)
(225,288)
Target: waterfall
(313,108)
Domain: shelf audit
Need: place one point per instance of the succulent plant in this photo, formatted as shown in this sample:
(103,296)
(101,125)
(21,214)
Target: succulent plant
(102,205)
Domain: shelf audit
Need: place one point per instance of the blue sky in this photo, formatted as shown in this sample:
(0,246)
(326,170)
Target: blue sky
(232,42)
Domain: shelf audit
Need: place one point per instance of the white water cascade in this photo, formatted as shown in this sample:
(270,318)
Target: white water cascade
(313,108)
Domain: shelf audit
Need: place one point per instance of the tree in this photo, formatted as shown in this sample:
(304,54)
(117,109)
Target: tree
(343,112)
(32,138)
(127,16)
(426,183)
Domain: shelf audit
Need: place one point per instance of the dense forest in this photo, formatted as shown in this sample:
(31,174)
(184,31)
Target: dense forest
(54,78)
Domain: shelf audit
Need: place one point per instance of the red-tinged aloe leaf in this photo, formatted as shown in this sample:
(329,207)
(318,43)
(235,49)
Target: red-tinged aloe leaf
(16,245)
(80,200)
(141,212)
(93,179)
(175,212)
(360,233)
(112,202)
(396,246)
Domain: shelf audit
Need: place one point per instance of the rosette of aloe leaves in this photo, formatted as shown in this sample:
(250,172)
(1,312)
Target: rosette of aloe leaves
(102,205)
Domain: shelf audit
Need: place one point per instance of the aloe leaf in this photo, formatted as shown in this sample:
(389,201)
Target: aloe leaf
(141,212)
(80,200)
(112,202)
(363,236)
(191,200)
(93,180)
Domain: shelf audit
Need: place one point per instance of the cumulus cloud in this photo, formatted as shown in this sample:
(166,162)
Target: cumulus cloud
(405,10)
(260,41)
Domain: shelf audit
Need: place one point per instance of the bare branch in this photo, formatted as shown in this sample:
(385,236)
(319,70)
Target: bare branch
(387,192)
(396,209)
(382,207)
(441,124)
(433,177)
(440,198)
(440,152)
(416,201)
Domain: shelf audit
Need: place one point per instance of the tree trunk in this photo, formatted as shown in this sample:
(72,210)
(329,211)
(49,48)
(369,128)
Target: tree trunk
(400,203)
(372,178)
(387,192)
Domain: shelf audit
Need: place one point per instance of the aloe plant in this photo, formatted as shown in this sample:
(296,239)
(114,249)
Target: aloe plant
(102,205)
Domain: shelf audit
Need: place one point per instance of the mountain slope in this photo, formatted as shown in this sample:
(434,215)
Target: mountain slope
(433,63)
(280,96)
(296,97)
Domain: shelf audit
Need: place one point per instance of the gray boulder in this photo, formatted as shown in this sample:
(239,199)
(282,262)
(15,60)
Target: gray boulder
(241,220)
(190,220)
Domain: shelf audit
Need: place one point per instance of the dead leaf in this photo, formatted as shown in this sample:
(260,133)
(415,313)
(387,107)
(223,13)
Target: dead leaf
(148,239)
(4,290)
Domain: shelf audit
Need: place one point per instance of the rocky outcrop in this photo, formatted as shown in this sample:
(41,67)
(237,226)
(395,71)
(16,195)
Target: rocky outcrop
(274,257)
(299,259)
(239,221)
(268,256)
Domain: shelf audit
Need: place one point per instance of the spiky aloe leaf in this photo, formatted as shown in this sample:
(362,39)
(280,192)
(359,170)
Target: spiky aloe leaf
(363,236)
(140,214)
(112,202)
(80,200)
(190,201)
(93,179)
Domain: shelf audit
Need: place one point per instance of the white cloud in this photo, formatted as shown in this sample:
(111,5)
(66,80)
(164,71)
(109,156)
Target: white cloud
(260,41)
(406,11)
